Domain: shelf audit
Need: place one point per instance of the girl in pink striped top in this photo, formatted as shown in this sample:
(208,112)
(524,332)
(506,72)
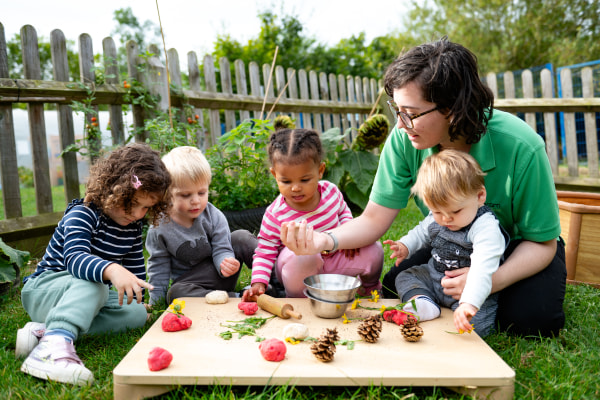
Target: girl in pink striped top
(296,163)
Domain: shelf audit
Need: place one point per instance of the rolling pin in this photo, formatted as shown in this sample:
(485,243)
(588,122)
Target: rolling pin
(274,306)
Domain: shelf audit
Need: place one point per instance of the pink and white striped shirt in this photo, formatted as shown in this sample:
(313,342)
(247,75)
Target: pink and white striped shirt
(331,212)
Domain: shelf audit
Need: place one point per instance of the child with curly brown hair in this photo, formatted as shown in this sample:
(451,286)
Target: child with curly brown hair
(97,244)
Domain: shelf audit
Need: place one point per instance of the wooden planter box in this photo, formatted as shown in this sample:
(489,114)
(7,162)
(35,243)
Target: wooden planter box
(580,223)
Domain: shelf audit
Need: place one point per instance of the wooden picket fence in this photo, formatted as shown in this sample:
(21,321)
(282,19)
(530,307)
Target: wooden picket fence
(315,100)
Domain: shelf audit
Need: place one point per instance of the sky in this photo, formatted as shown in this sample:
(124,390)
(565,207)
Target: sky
(193,25)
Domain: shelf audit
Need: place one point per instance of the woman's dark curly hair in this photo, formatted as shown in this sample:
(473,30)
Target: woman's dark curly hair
(113,180)
(295,146)
(448,76)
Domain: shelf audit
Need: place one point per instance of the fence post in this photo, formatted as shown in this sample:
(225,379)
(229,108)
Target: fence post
(211,86)
(293,88)
(509,85)
(352,99)
(550,122)
(60,69)
(176,83)
(344,98)
(280,83)
(591,139)
(241,85)
(361,97)
(492,83)
(304,95)
(88,77)
(194,75)
(111,76)
(334,96)
(37,124)
(254,72)
(8,147)
(527,81)
(227,88)
(269,83)
(155,79)
(323,84)
(137,111)
(315,95)
(569,118)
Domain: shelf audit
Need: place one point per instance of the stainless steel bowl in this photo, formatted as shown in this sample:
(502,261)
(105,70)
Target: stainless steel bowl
(326,309)
(332,287)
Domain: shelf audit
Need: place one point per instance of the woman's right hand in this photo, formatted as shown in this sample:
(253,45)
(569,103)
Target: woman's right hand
(302,239)
(255,290)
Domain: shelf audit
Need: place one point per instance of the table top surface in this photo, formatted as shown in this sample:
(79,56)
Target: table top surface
(202,356)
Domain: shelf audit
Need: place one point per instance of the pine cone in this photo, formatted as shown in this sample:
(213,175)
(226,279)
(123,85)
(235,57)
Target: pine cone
(411,330)
(370,328)
(324,347)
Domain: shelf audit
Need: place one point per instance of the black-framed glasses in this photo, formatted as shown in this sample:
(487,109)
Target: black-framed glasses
(407,120)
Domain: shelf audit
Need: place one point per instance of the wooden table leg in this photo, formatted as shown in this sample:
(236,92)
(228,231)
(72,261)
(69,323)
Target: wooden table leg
(487,392)
(138,392)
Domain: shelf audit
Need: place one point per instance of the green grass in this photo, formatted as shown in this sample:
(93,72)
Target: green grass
(28,200)
(565,367)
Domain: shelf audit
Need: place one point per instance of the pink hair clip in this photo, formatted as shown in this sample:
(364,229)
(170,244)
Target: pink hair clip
(135,181)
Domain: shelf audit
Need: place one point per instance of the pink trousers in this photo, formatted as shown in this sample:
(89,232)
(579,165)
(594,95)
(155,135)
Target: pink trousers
(367,265)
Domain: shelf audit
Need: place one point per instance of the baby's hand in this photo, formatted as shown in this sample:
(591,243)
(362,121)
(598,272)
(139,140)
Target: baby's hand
(399,250)
(255,290)
(229,266)
(462,317)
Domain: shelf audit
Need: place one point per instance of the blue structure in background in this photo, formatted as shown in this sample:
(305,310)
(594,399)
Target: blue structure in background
(577,92)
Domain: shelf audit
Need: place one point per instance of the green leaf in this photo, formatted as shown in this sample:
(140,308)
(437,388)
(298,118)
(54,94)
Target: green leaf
(9,259)
(360,167)
(7,272)
(356,196)
(15,256)
(334,174)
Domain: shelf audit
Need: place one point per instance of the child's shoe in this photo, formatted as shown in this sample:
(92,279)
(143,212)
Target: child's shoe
(28,337)
(54,359)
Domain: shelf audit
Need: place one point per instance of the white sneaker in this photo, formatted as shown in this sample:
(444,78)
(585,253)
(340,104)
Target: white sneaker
(28,337)
(54,359)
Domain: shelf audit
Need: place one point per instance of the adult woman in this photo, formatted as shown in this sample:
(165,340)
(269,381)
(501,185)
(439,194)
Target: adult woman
(441,103)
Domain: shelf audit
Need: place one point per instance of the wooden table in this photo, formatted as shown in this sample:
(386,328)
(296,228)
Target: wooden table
(464,362)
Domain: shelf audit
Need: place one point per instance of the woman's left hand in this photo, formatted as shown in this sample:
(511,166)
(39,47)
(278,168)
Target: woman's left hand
(454,282)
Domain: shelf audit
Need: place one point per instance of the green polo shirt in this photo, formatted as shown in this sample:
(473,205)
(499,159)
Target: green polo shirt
(519,183)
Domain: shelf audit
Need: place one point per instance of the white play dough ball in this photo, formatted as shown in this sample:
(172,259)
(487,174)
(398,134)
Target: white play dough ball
(296,331)
(217,297)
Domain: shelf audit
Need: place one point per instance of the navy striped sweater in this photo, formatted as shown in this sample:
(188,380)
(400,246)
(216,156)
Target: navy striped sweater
(86,241)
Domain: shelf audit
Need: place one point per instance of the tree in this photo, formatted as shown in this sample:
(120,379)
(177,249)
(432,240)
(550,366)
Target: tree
(512,35)
(15,58)
(129,28)
(351,56)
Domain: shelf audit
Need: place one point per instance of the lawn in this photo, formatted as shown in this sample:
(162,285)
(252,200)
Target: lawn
(565,367)
(28,200)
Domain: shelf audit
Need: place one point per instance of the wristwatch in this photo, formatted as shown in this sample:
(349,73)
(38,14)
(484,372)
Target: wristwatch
(335,243)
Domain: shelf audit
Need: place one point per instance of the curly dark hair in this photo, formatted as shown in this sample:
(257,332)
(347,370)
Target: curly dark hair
(112,180)
(448,76)
(295,146)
